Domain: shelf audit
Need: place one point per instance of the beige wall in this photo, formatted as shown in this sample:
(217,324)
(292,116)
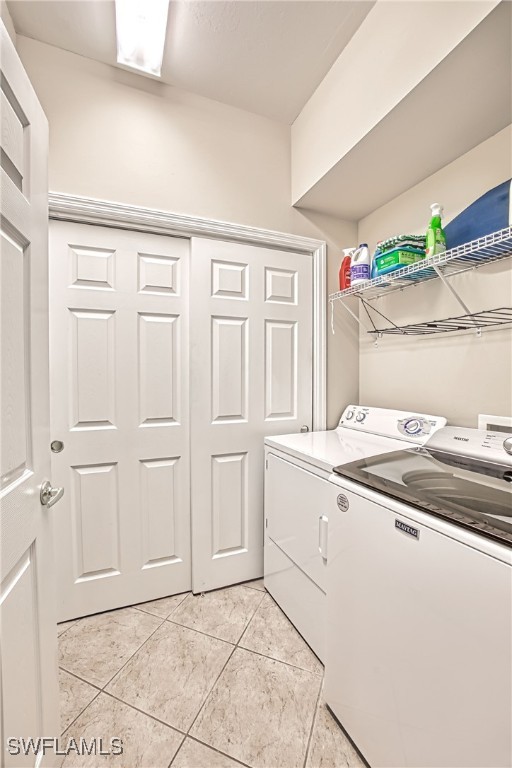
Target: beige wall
(7,20)
(120,137)
(459,376)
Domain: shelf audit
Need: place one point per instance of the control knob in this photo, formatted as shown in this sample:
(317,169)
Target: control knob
(507,444)
(361,417)
(349,415)
(413,426)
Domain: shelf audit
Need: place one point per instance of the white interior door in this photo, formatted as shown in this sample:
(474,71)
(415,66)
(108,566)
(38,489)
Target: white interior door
(119,405)
(28,666)
(251,376)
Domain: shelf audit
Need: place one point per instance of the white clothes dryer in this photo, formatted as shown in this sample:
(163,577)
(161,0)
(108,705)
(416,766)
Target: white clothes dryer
(297,496)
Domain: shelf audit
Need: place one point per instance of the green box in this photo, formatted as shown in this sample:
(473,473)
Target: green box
(398,257)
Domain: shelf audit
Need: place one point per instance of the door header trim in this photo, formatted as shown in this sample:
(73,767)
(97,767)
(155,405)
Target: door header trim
(87,210)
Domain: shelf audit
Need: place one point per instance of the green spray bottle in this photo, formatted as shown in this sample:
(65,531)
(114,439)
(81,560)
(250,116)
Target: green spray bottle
(436,239)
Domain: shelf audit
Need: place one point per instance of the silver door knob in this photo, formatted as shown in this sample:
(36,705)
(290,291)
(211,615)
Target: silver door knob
(304,428)
(50,496)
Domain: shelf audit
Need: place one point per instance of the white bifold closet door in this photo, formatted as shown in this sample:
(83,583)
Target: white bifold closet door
(119,404)
(142,453)
(251,376)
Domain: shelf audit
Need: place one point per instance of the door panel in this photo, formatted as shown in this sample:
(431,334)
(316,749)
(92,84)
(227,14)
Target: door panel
(92,395)
(119,372)
(95,504)
(159,369)
(251,376)
(28,669)
(160,495)
(229,353)
(280,369)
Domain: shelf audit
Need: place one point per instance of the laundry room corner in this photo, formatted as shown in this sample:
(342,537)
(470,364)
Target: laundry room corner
(256,384)
(468,374)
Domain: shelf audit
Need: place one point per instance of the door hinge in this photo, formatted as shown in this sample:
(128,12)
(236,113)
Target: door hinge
(266,463)
(266,522)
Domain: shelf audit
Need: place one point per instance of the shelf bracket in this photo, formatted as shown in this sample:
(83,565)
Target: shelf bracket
(457,297)
(356,318)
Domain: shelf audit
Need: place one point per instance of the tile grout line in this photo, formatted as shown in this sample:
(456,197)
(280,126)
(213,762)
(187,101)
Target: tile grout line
(102,690)
(214,637)
(250,620)
(138,607)
(214,749)
(143,712)
(73,674)
(280,661)
(210,690)
(136,651)
(248,586)
(315,716)
(199,632)
(66,729)
(267,656)
(222,671)
(321,675)
(60,634)
(173,758)
(273,658)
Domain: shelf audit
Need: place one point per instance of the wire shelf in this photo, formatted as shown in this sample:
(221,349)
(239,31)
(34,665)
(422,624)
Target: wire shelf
(472,255)
(474,321)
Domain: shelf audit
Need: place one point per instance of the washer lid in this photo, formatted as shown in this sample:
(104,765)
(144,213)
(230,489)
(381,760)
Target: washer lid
(474,494)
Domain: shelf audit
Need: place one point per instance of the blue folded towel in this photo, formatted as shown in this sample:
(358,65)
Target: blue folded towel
(490,213)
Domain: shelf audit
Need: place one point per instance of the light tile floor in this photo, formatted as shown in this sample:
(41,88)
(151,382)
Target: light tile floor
(214,681)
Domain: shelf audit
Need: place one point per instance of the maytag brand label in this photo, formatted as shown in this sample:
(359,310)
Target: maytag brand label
(407,529)
(342,502)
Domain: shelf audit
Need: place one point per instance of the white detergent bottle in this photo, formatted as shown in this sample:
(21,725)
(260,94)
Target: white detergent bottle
(360,266)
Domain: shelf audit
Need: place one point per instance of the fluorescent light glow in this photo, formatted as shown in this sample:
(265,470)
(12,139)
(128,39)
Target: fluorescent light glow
(141,27)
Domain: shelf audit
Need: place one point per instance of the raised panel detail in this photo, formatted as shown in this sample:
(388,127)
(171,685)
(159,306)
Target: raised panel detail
(159,504)
(159,369)
(229,369)
(92,267)
(159,274)
(20,641)
(12,139)
(92,369)
(95,521)
(229,279)
(13,380)
(280,369)
(229,504)
(280,285)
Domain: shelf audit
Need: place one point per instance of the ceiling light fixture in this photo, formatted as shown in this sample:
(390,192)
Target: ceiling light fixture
(141,28)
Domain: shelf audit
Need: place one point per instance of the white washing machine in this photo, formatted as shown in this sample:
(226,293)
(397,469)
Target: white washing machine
(297,496)
(419,594)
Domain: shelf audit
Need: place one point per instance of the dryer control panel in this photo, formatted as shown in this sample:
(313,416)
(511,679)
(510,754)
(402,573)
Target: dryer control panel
(387,422)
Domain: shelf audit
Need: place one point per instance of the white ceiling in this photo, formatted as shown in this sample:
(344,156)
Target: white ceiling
(265,56)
